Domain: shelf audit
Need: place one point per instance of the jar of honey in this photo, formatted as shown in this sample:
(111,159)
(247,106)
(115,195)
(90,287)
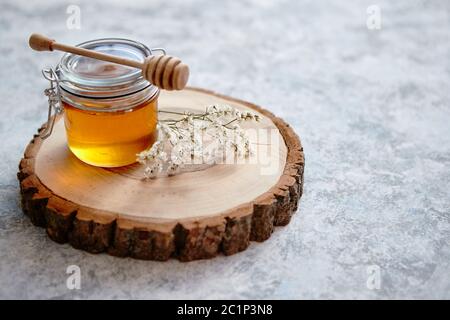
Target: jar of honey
(110,110)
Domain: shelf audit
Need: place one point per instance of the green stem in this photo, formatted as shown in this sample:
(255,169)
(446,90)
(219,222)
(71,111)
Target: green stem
(230,122)
(172,112)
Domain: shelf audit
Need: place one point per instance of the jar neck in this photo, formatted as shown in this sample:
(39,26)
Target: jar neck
(110,104)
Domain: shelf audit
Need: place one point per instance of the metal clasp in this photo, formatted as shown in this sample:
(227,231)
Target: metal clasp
(54,101)
(158,49)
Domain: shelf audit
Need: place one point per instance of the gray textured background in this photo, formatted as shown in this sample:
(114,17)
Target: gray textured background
(372,109)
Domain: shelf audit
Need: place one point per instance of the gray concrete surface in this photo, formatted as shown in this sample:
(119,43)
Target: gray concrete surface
(372,109)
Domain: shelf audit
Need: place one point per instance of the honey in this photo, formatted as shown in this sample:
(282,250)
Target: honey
(110,139)
(110,110)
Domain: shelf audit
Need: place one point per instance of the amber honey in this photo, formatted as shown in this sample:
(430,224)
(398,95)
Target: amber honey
(110,139)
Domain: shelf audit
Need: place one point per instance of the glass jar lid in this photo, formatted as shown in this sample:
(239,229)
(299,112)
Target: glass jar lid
(101,79)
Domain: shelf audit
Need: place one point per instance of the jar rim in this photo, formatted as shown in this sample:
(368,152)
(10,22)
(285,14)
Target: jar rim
(92,78)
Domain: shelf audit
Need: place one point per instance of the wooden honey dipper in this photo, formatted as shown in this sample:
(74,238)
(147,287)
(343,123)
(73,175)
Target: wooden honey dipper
(164,71)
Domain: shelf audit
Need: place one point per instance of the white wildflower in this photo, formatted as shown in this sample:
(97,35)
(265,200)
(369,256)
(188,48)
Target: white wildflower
(180,140)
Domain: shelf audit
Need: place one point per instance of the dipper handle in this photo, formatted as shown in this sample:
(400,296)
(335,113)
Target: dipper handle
(40,42)
(165,72)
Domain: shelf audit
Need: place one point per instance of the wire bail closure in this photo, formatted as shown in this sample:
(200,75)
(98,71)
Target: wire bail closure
(54,102)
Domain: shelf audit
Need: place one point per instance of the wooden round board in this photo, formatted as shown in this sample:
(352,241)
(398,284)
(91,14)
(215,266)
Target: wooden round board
(193,215)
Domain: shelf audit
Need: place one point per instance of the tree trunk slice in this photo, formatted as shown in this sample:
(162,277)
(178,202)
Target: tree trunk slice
(193,215)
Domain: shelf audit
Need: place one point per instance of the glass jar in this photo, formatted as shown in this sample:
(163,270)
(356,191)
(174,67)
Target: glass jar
(110,110)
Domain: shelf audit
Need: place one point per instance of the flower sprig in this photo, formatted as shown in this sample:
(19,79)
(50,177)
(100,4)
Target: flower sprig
(181,139)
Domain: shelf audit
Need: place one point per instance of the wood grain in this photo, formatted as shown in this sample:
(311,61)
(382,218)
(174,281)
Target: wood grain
(194,215)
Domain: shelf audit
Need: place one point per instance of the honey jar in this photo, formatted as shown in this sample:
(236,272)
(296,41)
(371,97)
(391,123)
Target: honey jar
(110,110)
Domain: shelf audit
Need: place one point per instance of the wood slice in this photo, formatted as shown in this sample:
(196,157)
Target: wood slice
(193,215)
